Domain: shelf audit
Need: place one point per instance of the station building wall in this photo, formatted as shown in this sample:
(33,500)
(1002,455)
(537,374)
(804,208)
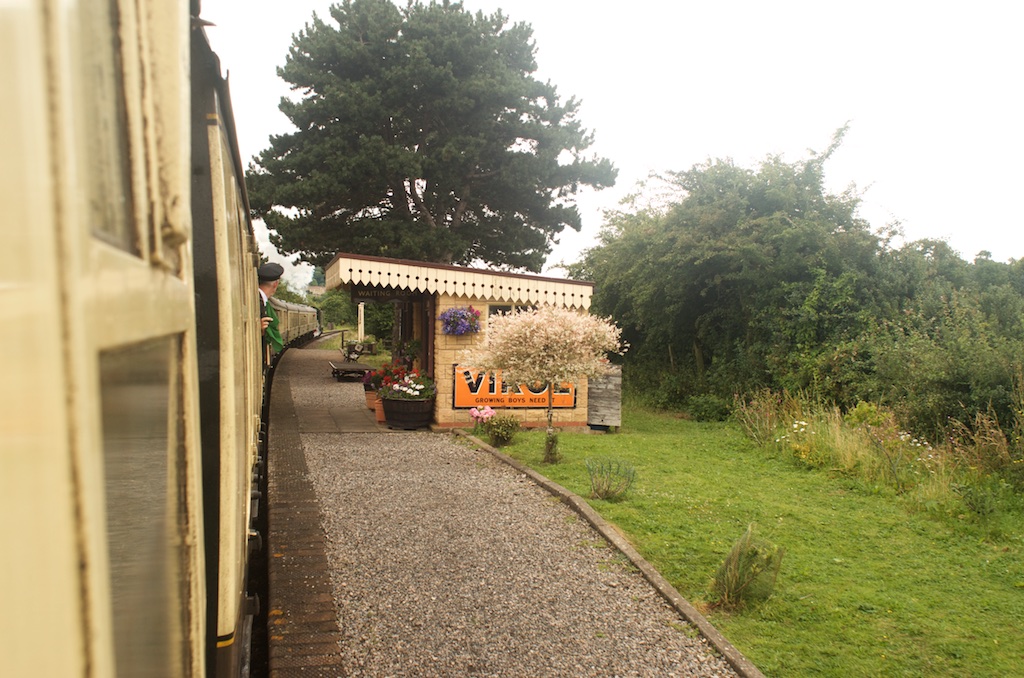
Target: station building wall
(450,351)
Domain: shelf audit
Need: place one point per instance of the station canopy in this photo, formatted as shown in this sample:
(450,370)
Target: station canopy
(472,283)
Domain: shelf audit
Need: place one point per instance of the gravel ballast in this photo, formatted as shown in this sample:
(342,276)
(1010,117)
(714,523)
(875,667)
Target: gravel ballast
(447,562)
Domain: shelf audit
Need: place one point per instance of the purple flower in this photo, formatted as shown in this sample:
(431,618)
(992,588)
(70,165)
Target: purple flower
(459,321)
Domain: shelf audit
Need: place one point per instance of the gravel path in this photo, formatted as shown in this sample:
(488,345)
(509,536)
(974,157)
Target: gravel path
(448,562)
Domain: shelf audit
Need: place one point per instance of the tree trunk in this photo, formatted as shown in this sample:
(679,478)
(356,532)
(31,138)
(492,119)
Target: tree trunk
(551,455)
(698,356)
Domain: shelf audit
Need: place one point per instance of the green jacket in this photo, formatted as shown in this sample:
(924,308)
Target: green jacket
(272,335)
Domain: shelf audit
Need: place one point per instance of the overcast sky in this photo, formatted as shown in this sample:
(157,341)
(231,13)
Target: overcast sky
(931,89)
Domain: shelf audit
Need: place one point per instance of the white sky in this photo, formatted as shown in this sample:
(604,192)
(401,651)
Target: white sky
(932,91)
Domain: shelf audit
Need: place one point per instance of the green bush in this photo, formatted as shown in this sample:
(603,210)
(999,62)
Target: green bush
(984,495)
(668,393)
(708,407)
(552,455)
(379,319)
(656,385)
(337,308)
(501,429)
(865,414)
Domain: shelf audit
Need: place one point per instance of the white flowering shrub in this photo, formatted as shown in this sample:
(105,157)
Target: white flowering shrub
(547,345)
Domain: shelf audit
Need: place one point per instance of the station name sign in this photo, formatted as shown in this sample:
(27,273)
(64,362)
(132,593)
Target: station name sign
(476,388)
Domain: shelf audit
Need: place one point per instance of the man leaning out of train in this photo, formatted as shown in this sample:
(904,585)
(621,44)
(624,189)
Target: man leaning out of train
(269,278)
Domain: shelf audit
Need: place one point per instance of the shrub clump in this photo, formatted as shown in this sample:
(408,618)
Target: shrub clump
(708,407)
(609,479)
(749,571)
(501,429)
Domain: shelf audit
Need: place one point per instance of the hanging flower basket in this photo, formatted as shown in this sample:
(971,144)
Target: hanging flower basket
(459,321)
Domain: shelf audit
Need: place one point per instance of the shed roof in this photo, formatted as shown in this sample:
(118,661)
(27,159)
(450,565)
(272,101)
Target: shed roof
(472,283)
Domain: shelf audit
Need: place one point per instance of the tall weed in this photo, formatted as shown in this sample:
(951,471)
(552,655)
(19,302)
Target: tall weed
(759,415)
(749,572)
(984,448)
(609,479)
(981,445)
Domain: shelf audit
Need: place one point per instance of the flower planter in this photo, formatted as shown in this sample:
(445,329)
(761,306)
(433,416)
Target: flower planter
(371,397)
(408,415)
(378,408)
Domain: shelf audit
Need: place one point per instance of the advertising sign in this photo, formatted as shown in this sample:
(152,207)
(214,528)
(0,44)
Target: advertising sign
(474,388)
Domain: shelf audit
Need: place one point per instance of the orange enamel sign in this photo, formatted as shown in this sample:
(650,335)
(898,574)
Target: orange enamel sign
(474,388)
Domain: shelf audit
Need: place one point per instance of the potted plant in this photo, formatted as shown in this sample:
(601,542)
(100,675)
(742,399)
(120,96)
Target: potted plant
(460,320)
(408,399)
(407,353)
(372,381)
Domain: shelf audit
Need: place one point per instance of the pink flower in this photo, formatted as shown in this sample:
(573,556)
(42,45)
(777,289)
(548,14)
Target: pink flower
(481,415)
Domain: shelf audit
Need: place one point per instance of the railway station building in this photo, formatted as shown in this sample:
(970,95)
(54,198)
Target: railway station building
(422,292)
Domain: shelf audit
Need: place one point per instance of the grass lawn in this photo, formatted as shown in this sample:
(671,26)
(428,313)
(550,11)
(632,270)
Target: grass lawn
(866,588)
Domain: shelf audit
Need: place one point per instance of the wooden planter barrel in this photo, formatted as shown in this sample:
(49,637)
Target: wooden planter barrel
(408,415)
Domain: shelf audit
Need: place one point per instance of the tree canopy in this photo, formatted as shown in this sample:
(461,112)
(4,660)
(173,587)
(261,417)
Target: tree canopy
(422,133)
(749,265)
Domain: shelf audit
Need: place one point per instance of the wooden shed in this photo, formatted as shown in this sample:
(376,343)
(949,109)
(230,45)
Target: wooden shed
(423,291)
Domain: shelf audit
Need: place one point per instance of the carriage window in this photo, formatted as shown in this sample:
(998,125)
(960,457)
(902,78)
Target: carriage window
(140,395)
(103,158)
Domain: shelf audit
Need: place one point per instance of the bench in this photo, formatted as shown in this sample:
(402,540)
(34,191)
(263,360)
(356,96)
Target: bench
(348,369)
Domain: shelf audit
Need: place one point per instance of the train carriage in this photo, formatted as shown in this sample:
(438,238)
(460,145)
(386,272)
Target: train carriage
(229,361)
(298,323)
(101,476)
(131,416)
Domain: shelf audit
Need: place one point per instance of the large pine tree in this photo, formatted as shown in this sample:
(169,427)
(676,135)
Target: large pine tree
(422,133)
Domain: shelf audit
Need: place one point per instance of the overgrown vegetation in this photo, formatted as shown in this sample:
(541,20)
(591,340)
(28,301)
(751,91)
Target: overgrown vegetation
(897,587)
(744,279)
(978,469)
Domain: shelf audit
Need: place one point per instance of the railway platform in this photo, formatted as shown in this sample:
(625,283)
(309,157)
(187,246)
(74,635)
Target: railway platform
(396,553)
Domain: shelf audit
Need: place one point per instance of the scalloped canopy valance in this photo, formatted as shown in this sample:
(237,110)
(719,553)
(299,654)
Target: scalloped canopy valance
(471,283)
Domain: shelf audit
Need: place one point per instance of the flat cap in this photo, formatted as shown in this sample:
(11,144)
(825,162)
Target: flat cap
(270,272)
